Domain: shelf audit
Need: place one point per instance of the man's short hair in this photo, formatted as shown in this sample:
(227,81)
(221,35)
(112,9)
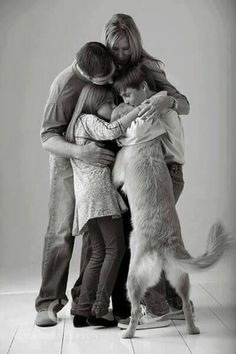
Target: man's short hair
(94,59)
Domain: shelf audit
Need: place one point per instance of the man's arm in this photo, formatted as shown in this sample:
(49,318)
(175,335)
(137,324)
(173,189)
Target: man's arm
(54,123)
(92,153)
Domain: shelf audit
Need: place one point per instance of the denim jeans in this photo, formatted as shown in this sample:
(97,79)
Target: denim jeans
(107,243)
(158,298)
(59,242)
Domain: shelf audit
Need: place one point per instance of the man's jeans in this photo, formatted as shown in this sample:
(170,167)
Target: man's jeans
(59,242)
(158,298)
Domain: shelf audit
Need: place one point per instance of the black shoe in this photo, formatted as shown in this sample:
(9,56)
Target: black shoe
(99,321)
(80,321)
(122,315)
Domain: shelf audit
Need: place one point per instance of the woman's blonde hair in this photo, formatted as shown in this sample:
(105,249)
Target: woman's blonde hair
(90,99)
(122,25)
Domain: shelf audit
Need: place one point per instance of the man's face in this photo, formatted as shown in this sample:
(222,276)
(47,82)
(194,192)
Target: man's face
(133,96)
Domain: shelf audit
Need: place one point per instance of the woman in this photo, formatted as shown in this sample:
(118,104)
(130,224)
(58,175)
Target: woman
(123,38)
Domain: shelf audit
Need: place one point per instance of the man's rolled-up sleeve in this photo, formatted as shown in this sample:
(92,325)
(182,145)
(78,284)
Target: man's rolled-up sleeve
(54,121)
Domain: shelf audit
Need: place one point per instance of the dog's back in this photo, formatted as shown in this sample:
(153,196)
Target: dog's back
(149,188)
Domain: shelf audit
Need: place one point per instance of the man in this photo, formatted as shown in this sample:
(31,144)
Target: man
(93,63)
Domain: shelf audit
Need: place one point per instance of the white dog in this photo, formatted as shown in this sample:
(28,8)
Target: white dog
(156,242)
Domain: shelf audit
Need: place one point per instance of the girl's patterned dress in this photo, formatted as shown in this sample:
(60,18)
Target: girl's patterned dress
(95,194)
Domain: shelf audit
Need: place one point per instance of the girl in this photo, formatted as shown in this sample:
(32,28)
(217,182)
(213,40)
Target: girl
(98,206)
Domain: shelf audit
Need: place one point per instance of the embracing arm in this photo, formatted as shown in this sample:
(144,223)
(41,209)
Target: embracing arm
(181,104)
(99,129)
(90,153)
(175,100)
(53,140)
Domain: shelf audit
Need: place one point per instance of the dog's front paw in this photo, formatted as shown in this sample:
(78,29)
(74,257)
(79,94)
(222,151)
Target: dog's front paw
(127,334)
(194,330)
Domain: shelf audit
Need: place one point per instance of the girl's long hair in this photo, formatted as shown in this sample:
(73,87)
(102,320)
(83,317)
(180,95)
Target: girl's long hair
(122,25)
(90,99)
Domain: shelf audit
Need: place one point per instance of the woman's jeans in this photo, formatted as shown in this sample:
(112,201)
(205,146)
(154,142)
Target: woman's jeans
(59,242)
(108,246)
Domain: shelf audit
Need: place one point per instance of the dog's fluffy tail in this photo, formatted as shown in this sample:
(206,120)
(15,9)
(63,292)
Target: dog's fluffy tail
(218,242)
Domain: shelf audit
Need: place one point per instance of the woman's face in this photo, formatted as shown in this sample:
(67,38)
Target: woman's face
(121,51)
(106,108)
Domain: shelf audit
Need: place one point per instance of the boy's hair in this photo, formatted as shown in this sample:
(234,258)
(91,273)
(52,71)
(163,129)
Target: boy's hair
(90,99)
(134,76)
(94,59)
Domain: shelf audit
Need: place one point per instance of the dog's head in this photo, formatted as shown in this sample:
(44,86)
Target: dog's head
(120,111)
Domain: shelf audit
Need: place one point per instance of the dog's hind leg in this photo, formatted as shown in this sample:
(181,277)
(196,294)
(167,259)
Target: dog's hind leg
(180,281)
(144,273)
(135,294)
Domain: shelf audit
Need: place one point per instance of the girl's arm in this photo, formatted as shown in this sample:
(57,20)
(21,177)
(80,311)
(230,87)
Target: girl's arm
(99,129)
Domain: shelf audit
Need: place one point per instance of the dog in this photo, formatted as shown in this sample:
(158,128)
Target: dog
(156,243)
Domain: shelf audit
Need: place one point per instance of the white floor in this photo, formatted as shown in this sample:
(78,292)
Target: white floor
(215,315)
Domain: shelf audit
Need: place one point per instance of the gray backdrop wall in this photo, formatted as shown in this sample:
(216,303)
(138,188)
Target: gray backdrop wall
(196,41)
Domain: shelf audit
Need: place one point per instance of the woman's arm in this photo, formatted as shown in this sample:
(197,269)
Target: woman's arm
(175,100)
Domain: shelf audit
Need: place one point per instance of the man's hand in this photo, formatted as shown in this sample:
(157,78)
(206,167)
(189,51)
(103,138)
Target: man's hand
(95,154)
